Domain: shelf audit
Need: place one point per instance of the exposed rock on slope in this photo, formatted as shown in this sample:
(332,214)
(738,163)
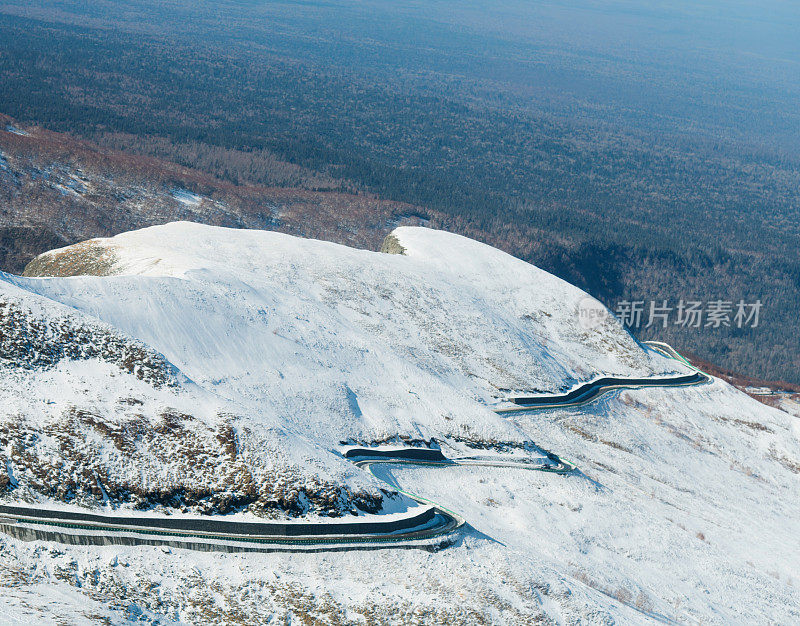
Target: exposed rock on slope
(391,245)
(171,461)
(82,259)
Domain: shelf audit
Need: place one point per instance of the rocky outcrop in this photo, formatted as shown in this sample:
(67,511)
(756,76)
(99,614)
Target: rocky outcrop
(88,258)
(391,245)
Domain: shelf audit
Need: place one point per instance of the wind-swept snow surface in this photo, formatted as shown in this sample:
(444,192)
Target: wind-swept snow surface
(268,354)
(347,343)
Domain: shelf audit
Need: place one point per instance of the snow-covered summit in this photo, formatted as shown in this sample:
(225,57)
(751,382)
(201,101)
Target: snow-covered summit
(344,343)
(461,272)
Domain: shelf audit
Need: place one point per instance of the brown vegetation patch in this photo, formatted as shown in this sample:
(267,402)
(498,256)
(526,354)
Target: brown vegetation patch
(28,341)
(88,258)
(596,439)
(176,462)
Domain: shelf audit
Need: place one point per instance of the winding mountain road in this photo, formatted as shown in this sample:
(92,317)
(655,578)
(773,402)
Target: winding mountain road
(427,525)
(590,391)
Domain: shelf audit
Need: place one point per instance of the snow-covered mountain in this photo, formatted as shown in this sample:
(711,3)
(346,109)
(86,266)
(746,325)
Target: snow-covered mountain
(193,369)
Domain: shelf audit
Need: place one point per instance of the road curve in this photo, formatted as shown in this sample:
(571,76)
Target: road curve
(590,391)
(421,527)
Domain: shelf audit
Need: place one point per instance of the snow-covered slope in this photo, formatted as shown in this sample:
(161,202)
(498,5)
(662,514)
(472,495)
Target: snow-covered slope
(269,352)
(347,343)
(90,415)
